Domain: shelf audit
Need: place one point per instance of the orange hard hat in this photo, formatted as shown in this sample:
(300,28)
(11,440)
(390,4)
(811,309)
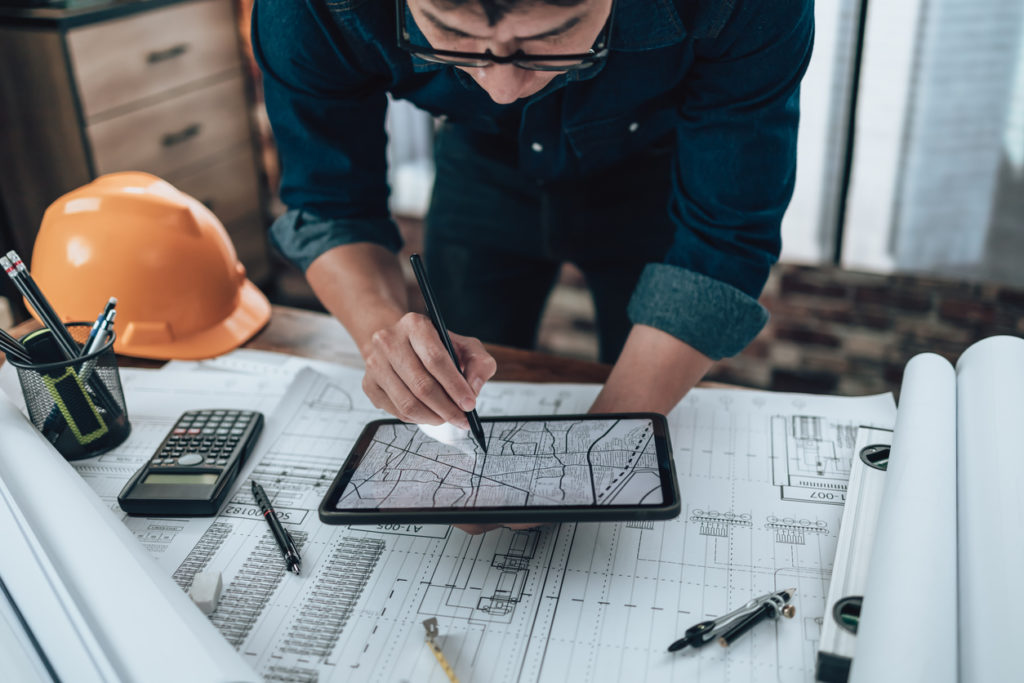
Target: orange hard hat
(181,291)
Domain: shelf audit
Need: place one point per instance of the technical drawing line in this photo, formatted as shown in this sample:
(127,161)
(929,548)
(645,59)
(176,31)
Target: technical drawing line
(247,595)
(333,597)
(200,555)
(290,674)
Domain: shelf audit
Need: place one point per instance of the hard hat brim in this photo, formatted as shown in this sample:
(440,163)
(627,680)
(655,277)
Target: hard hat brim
(251,314)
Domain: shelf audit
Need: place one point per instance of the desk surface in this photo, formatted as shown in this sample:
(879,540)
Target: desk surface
(318,335)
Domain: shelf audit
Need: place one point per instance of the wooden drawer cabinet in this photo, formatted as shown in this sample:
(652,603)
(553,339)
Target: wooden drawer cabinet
(156,51)
(173,134)
(152,85)
(225,186)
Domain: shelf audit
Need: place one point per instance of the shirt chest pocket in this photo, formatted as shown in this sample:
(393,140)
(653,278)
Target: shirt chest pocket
(599,144)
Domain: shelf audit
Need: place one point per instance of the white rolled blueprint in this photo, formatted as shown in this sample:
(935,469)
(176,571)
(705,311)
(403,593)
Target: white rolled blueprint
(990,510)
(907,629)
(142,627)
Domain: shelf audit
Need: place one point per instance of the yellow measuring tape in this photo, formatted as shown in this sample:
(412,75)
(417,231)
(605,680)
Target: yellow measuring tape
(432,632)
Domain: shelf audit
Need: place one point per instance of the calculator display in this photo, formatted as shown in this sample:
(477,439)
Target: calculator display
(206,478)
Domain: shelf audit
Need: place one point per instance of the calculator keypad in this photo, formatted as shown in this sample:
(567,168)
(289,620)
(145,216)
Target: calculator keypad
(203,438)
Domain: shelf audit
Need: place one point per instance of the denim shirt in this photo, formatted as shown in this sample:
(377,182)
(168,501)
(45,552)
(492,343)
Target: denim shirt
(723,75)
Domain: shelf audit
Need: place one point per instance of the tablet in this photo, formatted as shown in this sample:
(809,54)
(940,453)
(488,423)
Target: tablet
(610,467)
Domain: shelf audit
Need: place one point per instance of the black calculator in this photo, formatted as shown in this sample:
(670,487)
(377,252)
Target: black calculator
(193,469)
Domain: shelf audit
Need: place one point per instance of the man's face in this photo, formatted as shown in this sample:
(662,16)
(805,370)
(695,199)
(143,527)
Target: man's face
(536,28)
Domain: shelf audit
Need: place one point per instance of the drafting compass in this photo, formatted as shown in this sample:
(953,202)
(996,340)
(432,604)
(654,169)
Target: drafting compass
(728,627)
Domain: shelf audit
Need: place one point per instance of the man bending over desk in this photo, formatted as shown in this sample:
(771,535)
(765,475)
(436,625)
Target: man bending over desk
(650,142)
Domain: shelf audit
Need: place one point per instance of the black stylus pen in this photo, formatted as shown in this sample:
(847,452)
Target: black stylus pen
(281,535)
(442,331)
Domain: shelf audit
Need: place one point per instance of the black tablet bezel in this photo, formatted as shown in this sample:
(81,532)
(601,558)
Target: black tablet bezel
(667,509)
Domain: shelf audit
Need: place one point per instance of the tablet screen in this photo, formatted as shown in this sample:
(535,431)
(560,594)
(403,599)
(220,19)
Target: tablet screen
(529,463)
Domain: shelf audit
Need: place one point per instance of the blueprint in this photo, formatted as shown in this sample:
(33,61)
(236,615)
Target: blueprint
(761,482)
(529,463)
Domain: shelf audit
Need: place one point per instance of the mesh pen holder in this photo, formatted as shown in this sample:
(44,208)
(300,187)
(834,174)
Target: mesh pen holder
(77,404)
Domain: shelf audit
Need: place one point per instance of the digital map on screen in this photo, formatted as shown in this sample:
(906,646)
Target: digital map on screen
(528,463)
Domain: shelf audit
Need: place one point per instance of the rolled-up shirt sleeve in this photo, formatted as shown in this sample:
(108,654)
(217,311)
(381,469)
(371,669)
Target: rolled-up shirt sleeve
(734,173)
(326,99)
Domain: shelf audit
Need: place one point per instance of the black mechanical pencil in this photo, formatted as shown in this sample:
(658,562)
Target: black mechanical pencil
(435,317)
(284,540)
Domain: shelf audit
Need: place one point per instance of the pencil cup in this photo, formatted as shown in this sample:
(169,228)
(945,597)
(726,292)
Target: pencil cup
(77,404)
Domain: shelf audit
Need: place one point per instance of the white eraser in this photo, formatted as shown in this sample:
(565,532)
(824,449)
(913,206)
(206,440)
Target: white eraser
(446,433)
(450,435)
(205,591)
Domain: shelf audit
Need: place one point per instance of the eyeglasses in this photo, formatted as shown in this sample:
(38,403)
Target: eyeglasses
(570,62)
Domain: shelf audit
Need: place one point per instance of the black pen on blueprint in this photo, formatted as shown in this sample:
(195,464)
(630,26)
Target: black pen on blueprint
(435,317)
(281,535)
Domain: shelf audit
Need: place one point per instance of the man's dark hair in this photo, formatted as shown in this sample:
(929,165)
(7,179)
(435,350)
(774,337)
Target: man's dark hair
(496,9)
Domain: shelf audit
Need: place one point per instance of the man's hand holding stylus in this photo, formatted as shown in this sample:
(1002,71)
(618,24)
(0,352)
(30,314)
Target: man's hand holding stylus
(408,371)
(410,375)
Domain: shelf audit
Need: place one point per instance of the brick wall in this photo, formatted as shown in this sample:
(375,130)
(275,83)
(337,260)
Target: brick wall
(831,331)
(841,332)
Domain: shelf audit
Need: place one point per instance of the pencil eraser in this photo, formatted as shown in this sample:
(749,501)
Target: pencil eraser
(446,433)
(205,590)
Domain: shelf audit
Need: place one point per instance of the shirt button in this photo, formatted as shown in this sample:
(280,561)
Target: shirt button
(633,127)
(537,147)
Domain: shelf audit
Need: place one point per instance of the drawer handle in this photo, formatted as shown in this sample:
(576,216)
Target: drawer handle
(186,133)
(173,51)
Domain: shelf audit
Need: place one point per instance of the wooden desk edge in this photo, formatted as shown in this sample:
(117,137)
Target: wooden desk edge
(317,335)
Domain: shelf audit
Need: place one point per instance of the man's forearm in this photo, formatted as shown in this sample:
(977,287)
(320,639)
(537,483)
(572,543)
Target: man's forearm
(654,371)
(360,284)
